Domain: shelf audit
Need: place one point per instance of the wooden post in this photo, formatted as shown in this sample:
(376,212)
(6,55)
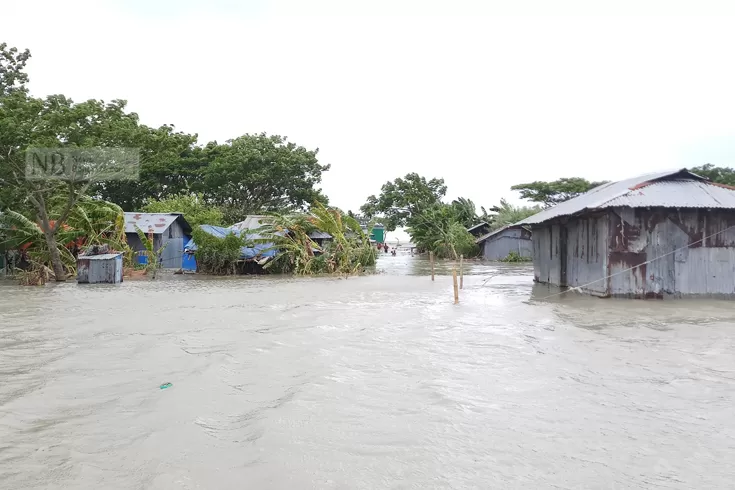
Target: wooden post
(454,280)
(431,258)
(461,273)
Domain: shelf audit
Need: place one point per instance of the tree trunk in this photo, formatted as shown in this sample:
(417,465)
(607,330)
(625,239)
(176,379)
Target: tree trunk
(56,264)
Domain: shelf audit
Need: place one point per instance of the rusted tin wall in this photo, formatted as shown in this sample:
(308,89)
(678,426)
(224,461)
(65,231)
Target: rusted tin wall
(518,240)
(681,263)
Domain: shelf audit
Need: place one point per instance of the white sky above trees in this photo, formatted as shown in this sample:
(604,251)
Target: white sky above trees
(485,94)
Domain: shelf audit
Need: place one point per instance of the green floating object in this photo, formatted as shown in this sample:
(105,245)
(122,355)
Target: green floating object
(166,385)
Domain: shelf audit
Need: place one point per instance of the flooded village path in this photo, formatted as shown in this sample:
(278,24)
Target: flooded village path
(366,383)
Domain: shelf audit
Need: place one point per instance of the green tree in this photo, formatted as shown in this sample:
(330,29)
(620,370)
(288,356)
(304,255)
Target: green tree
(348,252)
(552,193)
(466,212)
(170,164)
(721,175)
(194,207)
(508,214)
(13,77)
(54,122)
(256,173)
(437,229)
(403,198)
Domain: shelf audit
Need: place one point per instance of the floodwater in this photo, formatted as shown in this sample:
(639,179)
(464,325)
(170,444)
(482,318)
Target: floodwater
(366,383)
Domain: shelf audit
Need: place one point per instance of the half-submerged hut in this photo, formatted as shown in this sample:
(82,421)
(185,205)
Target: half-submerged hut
(503,242)
(170,231)
(668,233)
(102,268)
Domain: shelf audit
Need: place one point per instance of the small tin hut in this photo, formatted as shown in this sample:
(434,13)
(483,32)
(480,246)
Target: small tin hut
(103,268)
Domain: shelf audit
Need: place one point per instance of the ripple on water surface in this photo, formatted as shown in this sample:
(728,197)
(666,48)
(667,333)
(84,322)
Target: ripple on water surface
(370,382)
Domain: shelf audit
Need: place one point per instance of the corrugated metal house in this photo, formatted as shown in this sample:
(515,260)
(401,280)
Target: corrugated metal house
(103,268)
(497,245)
(669,233)
(170,229)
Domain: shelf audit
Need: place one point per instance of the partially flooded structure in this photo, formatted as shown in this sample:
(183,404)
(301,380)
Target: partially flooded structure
(669,233)
(103,268)
(170,231)
(503,242)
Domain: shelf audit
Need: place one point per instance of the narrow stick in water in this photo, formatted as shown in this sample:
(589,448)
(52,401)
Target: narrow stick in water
(454,280)
(431,258)
(461,273)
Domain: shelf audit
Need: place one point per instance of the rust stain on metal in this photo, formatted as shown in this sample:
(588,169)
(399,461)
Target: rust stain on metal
(695,235)
(725,186)
(621,233)
(641,185)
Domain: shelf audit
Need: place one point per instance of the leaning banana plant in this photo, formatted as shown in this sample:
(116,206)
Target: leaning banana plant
(152,264)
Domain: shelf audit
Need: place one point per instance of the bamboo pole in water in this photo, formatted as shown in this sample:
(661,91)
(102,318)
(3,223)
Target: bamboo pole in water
(454,280)
(461,272)
(431,258)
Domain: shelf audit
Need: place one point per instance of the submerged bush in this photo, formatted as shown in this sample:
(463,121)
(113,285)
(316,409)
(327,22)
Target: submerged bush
(515,257)
(216,255)
(348,252)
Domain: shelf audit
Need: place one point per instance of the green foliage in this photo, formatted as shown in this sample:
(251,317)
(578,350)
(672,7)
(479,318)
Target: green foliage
(12,69)
(508,214)
(349,251)
(515,257)
(194,207)
(257,173)
(552,193)
(152,264)
(92,221)
(437,229)
(466,212)
(216,255)
(56,122)
(720,175)
(403,198)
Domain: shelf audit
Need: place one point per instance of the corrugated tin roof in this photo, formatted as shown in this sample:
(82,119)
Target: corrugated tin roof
(679,188)
(319,235)
(251,222)
(100,256)
(478,225)
(493,233)
(677,194)
(155,223)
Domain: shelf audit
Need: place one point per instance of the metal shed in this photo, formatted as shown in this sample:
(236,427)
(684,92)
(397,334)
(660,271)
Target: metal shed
(169,229)
(497,245)
(104,268)
(665,234)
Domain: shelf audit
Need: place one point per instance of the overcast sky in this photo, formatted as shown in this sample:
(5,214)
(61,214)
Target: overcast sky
(482,95)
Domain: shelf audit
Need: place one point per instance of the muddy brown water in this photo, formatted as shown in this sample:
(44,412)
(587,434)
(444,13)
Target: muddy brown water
(365,383)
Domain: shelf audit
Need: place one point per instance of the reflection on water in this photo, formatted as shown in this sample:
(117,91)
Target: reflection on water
(370,382)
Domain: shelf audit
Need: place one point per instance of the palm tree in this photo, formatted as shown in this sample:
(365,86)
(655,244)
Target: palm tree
(466,212)
(508,214)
